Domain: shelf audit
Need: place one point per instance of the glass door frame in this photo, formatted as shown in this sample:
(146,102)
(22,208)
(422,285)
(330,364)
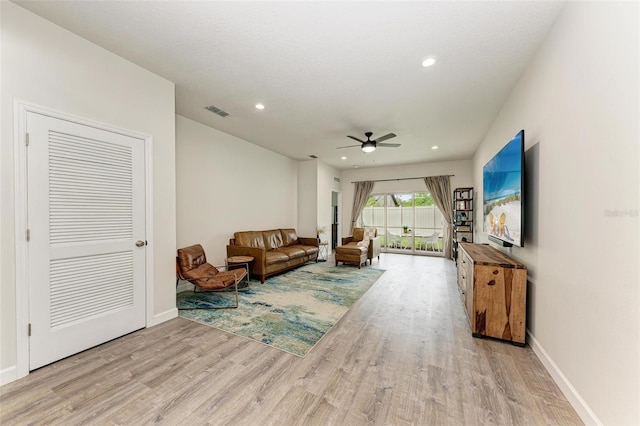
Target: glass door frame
(398,234)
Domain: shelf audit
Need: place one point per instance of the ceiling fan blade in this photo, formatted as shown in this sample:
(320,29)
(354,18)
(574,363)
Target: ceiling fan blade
(385,137)
(348,146)
(389,145)
(354,138)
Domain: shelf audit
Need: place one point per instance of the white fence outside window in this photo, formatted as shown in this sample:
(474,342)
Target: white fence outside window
(427,221)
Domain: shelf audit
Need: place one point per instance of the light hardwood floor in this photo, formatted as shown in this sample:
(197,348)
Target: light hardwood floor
(402,355)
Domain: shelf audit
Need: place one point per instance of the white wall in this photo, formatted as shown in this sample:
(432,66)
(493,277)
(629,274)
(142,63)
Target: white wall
(307,198)
(326,184)
(578,104)
(45,65)
(461,171)
(315,183)
(225,184)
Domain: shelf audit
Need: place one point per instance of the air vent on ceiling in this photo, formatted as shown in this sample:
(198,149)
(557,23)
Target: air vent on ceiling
(214,109)
(313,156)
(336,179)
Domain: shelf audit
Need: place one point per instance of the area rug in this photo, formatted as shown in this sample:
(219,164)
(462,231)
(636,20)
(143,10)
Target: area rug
(291,311)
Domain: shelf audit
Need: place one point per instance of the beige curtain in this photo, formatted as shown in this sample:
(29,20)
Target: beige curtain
(440,189)
(360,197)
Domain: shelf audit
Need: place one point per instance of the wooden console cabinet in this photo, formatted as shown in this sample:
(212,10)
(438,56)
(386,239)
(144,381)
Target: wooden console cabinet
(494,291)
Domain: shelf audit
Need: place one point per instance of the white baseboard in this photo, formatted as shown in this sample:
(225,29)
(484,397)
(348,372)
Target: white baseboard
(164,316)
(8,375)
(572,395)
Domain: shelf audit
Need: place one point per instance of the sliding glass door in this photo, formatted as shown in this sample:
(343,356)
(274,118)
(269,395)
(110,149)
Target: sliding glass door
(408,222)
(400,223)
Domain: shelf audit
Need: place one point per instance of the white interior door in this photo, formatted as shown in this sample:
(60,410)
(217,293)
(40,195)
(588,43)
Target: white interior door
(86,213)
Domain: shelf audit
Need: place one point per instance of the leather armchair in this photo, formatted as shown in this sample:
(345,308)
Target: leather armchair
(192,266)
(375,243)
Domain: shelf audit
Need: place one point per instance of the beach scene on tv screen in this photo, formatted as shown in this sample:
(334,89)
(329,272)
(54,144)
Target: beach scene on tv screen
(502,194)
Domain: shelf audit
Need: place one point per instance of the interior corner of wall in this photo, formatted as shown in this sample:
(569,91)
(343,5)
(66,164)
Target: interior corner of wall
(163,317)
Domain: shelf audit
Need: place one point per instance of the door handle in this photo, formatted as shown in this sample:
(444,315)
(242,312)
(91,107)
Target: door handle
(139,243)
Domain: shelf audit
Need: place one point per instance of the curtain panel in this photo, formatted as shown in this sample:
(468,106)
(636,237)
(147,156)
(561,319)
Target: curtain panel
(360,197)
(440,189)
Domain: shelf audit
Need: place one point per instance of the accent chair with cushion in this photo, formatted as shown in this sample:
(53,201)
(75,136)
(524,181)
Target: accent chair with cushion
(362,245)
(192,266)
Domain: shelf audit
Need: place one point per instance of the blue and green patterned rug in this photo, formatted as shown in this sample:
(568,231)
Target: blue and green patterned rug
(290,312)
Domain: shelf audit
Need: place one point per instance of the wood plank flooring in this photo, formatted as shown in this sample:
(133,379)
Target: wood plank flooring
(402,355)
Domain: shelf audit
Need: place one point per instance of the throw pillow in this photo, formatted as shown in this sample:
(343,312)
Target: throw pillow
(369,233)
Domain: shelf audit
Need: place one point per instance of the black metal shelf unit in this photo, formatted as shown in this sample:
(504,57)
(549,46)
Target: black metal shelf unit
(462,217)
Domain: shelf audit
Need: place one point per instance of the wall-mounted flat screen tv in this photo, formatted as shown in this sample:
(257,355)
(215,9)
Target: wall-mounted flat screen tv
(503,198)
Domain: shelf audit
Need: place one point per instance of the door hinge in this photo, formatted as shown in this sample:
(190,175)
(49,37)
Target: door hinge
(28,234)
(26,140)
(29,330)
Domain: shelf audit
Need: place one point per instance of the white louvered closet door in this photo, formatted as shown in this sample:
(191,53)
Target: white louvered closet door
(85,214)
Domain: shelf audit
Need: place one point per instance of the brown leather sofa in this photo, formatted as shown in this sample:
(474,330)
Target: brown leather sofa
(353,248)
(274,251)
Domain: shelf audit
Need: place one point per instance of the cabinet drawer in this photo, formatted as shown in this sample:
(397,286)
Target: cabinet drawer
(466,268)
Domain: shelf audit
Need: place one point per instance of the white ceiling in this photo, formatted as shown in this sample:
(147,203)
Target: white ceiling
(325,70)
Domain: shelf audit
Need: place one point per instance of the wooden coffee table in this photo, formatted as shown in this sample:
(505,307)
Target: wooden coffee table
(236,261)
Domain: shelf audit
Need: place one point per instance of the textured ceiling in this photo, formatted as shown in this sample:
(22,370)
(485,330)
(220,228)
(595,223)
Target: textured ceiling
(325,70)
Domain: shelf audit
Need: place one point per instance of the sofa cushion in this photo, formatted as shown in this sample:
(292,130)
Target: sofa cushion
(358,244)
(272,239)
(275,256)
(191,257)
(220,280)
(308,250)
(249,239)
(201,273)
(289,237)
(293,252)
(351,249)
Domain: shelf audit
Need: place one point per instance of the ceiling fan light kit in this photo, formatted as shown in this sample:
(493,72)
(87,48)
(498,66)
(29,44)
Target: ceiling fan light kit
(368,147)
(371,145)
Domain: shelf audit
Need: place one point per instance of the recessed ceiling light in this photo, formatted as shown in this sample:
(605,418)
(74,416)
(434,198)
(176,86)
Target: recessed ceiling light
(355,167)
(428,62)
(343,158)
(434,147)
(259,106)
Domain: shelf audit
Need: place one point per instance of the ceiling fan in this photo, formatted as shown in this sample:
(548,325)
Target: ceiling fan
(370,145)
